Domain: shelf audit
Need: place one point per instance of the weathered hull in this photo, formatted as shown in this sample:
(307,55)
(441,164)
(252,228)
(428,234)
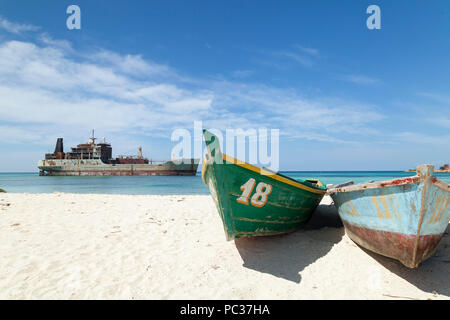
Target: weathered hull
(96,167)
(403,219)
(122,173)
(251,203)
(395,245)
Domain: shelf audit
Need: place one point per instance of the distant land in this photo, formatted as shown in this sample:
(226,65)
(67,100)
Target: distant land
(444,168)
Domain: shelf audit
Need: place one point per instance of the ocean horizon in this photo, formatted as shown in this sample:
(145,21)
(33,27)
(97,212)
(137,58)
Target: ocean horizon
(31,182)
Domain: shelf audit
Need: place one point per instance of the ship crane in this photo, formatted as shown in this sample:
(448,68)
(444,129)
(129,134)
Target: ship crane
(92,139)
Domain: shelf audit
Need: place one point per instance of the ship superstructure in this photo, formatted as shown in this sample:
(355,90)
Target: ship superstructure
(95,159)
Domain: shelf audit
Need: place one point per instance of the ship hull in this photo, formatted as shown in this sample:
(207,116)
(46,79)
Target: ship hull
(96,167)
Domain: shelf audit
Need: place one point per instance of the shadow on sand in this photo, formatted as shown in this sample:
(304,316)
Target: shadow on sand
(432,275)
(284,256)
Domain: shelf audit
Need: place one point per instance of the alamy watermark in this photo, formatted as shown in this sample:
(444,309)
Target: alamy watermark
(374,20)
(74,20)
(251,145)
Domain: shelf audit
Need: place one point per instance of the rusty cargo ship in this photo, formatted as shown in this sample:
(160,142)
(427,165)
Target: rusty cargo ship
(95,159)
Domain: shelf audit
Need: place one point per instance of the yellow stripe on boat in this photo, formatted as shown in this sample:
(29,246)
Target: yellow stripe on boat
(269,174)
(203,169)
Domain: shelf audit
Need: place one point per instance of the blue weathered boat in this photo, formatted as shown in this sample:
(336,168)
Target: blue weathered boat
(402,218)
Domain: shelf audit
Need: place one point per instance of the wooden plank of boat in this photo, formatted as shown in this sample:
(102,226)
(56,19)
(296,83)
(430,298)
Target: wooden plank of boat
(254,201)
(402,218)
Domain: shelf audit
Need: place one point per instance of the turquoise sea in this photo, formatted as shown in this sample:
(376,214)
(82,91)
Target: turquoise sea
(33,183)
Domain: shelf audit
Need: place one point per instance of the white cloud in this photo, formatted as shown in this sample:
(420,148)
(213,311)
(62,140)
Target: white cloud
(435,97)
(47,87)
(305,61)
(130,64)
(436,108)
(294,114)
(46,39)
(442,121)
(360,79)
(44,85)
(16,28)
(310,51)
(242,73)
(420,138)
(12,135)
(302,55)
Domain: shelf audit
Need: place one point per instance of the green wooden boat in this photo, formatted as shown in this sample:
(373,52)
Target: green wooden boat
(255,201)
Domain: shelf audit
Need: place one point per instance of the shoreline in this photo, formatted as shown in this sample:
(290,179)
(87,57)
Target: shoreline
(114,246)
(435,171)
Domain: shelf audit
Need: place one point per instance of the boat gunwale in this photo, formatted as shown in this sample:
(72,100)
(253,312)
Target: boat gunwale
(321,190)
(376,185)
(440,184)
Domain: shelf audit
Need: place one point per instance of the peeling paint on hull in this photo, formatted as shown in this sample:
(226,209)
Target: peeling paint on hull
(394,245)
(403,218)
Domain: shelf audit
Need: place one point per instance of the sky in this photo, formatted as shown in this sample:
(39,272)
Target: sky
(344,97)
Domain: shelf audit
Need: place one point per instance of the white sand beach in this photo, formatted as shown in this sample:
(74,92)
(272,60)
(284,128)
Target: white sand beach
(72,246)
